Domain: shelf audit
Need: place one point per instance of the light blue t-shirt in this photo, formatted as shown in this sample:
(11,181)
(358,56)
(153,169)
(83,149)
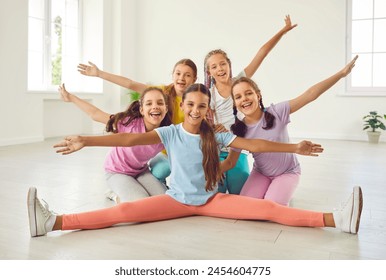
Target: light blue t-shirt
(187,178)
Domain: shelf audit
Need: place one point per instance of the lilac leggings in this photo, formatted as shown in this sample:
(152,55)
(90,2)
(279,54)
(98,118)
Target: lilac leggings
(279,188)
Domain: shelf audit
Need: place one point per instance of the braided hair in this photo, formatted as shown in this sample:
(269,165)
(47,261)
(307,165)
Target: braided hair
(209,80)
(239,128)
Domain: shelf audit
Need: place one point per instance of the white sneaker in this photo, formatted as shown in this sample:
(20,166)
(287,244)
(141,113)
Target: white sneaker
(112,196)
(348,218)
(41,219)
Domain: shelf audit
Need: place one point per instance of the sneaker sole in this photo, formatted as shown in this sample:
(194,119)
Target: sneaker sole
(357,211)
(32,211)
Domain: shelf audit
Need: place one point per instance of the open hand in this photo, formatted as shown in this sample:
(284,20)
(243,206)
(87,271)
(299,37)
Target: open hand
(69,145)
(219,128)
(288,24)
(307,148)
(347,69)
(64,94)
(88,70)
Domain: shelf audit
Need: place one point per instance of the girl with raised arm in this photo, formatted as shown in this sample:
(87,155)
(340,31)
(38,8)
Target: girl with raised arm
(193,149)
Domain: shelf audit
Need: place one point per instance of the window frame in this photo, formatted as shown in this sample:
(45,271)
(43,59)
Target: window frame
(351,90)
(47,58)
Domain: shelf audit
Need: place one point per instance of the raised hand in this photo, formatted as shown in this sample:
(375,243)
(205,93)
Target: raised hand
(69,145)
(347,69)
(288,24)
(307,148)
(64,94)
(88,70)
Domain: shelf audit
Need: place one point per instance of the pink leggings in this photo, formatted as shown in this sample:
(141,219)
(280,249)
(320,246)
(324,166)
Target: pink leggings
(164,207)
(279,188)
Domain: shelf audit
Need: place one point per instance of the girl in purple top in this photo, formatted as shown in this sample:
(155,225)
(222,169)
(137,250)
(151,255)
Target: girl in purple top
(127,171)
(274,176)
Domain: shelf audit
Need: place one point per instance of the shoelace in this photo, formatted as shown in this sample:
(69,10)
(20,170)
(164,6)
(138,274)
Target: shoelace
(45,208)
(342,205)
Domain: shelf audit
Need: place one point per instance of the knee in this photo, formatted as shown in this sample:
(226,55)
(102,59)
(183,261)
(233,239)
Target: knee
(161,170)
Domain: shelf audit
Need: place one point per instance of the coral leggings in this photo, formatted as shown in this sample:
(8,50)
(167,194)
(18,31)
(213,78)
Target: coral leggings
(163,207)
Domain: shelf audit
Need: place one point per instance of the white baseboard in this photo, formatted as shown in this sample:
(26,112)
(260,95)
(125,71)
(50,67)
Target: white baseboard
(22,140)
(344,137)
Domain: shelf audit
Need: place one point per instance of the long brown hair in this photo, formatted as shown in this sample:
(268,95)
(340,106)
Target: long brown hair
(170,89)
(209,145)
(239,128)
(133,112)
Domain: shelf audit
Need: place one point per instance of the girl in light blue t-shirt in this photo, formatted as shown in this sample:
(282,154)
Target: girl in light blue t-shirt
(196,170)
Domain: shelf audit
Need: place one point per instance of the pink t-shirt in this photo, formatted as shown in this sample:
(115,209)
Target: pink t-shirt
(273,164)
(131,160)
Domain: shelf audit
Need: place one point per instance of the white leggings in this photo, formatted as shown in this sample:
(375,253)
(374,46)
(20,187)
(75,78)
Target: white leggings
(129,188)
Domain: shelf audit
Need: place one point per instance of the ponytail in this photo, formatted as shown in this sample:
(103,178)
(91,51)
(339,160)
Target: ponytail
(239,128)
(268,117)
(210,157)
(130,114)
(209,145)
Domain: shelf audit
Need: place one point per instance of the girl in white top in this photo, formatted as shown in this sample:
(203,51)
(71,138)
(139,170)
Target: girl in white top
(218,77)
(196,169)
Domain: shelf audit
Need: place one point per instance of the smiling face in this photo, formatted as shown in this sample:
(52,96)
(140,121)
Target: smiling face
(246,98)
(183,76)
(217,65)
(195,106)
(153,109)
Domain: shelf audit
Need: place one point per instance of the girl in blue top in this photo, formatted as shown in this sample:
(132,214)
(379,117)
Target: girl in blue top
(196,170)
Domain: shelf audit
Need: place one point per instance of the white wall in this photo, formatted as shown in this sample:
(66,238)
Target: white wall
(144,38)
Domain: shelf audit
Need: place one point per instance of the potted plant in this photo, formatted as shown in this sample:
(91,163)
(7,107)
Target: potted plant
(371,123)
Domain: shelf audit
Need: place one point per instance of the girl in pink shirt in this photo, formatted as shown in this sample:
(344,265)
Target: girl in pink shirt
(127,170)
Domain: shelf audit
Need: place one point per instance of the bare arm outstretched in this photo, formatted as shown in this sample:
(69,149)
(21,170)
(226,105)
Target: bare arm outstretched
(72,144)
(92,70)
(306,148)
(93,112)
(318,89)
(267,47)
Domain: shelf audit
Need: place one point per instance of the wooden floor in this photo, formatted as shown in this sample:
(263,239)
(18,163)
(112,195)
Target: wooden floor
(76,183)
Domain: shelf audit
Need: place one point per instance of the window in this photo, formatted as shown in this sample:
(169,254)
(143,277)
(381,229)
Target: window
(366,23)
(53,42)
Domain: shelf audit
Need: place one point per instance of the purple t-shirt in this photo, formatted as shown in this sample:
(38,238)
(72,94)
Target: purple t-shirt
(273,164)
(131,160)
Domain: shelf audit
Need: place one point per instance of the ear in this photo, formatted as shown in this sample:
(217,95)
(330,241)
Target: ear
(141,111)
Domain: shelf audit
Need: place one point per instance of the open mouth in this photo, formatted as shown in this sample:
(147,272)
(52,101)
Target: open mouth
(194,117)
(155,114)
(246,105)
